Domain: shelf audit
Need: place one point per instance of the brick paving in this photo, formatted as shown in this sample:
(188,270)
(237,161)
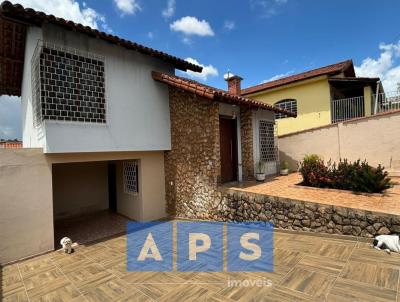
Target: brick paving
(287,187)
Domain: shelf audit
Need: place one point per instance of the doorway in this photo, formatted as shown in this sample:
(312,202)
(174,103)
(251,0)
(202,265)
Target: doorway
(228,149)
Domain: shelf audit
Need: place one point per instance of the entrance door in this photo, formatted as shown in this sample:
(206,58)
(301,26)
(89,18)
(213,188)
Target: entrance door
(228,147)
(112,187)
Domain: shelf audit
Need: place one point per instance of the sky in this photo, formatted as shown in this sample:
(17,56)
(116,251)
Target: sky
(260,40)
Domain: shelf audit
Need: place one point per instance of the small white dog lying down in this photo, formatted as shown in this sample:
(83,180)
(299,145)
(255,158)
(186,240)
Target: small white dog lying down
(388,243)
(66,245)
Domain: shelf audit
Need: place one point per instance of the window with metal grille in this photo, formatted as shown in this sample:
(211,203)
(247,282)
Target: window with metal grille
(267,140)
(287,104)
(131,177)
(67,85)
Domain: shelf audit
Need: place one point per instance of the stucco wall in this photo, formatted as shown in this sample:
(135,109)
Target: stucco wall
(149,204)
(32,137)
(313,104)
(26,193)
(375,138)
(134,101)
(79,188)
(26,203)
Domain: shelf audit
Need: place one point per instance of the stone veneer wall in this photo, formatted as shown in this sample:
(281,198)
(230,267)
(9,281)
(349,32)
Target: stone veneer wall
(246,133)
(236,205)
(192,167)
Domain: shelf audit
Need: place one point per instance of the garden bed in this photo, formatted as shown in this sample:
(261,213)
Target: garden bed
(357,176)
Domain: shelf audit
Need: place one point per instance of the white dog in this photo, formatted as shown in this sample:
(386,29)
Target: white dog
(66,245)
(388,243)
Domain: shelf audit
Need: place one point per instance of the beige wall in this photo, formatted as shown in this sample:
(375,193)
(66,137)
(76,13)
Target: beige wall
(26,204)
(149,204)
(79,188)
(26,194)
(375,138)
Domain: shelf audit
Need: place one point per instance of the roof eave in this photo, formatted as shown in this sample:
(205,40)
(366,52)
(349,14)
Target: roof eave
(216,95)
(20,14)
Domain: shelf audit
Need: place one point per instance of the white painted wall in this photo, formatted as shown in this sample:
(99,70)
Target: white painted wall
(270,167)
(31,137)
(137,106)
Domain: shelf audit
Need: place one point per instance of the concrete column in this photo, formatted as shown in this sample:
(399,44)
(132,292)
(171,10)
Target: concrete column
(368,100)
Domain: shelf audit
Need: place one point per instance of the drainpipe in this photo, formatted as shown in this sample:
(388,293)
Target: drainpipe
(376,96)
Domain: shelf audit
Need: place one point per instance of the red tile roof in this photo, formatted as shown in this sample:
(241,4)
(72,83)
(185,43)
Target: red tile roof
(30,16)
(212,93)
(346,67)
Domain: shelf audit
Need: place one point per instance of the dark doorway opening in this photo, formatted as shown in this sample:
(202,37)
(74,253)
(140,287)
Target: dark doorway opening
(228,149)
(112,187)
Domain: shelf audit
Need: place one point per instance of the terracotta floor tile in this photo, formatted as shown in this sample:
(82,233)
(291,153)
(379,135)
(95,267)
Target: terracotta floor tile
(287,187)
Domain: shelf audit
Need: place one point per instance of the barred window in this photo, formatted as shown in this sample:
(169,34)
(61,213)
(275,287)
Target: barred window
(287,104)
(131,177)
(267,140)
(68,85)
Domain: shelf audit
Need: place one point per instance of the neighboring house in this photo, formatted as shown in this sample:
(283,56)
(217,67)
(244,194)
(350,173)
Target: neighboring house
(319,97)
(10,144)
(107,125)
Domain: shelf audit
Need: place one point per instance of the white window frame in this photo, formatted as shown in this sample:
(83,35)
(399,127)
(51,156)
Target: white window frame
(286,104)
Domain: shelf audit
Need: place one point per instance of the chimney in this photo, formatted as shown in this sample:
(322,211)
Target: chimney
(233,83)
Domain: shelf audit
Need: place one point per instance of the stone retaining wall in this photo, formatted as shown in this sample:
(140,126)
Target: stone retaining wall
(290,214)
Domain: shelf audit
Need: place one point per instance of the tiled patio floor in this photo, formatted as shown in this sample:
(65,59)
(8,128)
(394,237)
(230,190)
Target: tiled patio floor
(307,268)
(89,227)
(286,186)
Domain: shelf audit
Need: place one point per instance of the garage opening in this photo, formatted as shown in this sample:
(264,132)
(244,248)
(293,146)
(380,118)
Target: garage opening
(94,200)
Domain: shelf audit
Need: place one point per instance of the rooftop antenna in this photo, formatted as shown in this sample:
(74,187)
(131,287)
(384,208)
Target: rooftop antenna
(228,74)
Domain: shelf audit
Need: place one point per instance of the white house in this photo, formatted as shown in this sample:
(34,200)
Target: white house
(97,133)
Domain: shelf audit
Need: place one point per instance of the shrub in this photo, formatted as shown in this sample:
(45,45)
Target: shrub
(356,176)
(314,171)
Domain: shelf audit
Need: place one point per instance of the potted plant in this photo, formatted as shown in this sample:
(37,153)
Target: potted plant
(284,168)
(260,175)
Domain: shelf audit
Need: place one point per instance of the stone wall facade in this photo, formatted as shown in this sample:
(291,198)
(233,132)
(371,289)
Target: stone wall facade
(192,167)
(246,133)
(192,176)
(289,214)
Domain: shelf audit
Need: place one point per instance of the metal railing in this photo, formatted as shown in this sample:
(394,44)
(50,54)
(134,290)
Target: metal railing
(346,109)
(384,102)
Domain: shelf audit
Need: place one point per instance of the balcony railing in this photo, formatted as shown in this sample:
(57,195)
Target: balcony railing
(346,109)
(388,101)
(350,108)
